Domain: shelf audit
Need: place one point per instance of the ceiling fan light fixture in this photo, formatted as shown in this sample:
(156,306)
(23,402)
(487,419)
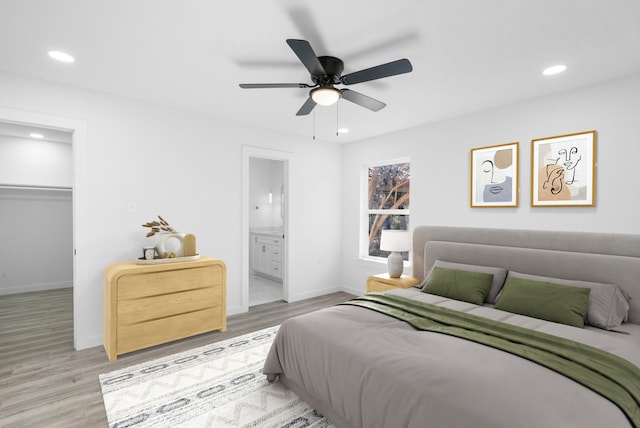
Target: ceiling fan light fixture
(325,96)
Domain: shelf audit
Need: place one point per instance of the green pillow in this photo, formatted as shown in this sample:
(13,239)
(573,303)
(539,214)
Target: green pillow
(552,302)
(472,287)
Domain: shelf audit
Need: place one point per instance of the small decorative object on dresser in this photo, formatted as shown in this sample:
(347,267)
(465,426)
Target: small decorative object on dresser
(176,249)
(384,282)
(149,253)
(189,245)
(171,244)
(146,305)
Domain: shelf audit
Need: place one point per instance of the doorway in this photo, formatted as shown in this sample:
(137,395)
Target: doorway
(36,202)
(77,130)
(266,230)
(265,226)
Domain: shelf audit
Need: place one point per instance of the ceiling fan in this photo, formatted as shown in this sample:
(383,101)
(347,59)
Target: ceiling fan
(326,71)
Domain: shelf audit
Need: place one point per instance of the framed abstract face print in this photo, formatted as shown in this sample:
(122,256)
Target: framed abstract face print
(494,176)
(563,170)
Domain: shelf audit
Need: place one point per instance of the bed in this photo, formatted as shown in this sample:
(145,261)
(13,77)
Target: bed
(369,367)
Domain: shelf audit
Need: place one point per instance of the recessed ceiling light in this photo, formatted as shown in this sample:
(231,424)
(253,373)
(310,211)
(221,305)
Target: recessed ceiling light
(38,136)
(61,56)
(554,70)
(343,130)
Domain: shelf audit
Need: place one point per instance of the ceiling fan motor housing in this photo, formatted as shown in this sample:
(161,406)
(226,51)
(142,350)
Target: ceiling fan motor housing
(333,67)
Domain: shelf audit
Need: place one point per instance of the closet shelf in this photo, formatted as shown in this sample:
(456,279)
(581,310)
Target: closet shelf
(28,187)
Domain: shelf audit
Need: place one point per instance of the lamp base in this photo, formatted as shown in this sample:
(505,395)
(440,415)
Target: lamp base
(395,264)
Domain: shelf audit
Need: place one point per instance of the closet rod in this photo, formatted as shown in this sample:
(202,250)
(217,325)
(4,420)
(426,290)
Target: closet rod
(23,187)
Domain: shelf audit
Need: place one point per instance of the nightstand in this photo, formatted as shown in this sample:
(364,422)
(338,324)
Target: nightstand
(382,282)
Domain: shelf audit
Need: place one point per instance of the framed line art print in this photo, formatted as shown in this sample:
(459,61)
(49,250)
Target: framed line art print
(494,176)
(563,170)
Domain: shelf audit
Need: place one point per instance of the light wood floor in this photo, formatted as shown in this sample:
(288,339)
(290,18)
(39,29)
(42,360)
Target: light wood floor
(44,382)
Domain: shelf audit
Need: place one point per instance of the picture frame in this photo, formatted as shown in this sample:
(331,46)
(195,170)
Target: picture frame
(494,176)
(563,170)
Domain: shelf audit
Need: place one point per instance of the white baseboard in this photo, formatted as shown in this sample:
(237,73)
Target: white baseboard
(352,290)
(90,342)
(234,310)
(26,288)
(315,293)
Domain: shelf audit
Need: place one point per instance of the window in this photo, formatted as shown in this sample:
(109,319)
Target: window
(387,203)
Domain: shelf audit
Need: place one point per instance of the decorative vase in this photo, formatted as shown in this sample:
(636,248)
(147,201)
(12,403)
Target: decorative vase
(162,246)
(395,265)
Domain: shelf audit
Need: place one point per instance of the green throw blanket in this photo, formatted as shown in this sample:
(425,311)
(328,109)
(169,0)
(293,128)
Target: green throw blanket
(609,375)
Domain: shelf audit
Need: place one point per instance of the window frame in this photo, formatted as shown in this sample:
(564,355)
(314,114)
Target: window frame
(365,211)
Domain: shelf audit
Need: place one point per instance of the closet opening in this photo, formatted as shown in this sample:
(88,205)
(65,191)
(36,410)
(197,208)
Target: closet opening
(36,206)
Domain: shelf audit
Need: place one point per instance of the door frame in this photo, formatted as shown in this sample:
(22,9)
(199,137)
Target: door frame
(249,152)
(78,129)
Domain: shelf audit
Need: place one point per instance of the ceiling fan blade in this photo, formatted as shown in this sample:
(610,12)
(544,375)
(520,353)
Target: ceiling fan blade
(384,70)
(389,43)
(307,56)
(362,100)
(306,107)
(307,26)
(273,85)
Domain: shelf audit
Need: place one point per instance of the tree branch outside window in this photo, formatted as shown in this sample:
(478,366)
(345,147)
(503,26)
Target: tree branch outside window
(388,202)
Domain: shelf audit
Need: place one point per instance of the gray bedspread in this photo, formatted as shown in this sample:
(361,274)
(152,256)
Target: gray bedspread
(365,369)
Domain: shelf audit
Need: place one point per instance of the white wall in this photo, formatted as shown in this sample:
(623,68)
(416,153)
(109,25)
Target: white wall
(34,162)
(187,168)
(36,249)
(440,155)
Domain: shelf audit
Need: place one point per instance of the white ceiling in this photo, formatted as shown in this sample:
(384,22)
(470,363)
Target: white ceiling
(468,55)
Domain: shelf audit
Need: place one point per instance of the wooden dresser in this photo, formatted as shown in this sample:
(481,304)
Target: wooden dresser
(146,305)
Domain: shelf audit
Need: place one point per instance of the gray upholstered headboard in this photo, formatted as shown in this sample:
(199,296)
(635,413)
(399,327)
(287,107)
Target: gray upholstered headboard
(596,257)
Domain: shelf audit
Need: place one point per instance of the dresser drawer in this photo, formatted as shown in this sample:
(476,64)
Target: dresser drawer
(134,286)
(142,335)
(154,307)
(378,286)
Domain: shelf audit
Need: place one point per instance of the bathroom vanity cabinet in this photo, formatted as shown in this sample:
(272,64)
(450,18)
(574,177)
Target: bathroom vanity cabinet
(267,251)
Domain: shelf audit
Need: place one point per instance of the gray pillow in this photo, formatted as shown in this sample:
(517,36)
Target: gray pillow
(499,275)
(608,307)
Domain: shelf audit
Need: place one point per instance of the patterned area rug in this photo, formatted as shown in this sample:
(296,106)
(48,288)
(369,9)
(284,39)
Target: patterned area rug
(219,385)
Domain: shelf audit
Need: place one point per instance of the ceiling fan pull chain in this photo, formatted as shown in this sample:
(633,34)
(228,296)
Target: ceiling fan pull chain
(337,121)
(314,124)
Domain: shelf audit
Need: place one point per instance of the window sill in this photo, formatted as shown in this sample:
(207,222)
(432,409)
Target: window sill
(379,262)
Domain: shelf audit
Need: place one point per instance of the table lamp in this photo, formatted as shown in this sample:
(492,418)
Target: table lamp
(395,241)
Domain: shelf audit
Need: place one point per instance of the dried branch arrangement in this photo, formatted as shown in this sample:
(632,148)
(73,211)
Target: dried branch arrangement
(159,227)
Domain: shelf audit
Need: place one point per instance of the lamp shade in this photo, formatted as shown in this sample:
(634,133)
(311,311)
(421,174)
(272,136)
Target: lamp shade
(325,96)
(395,240)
